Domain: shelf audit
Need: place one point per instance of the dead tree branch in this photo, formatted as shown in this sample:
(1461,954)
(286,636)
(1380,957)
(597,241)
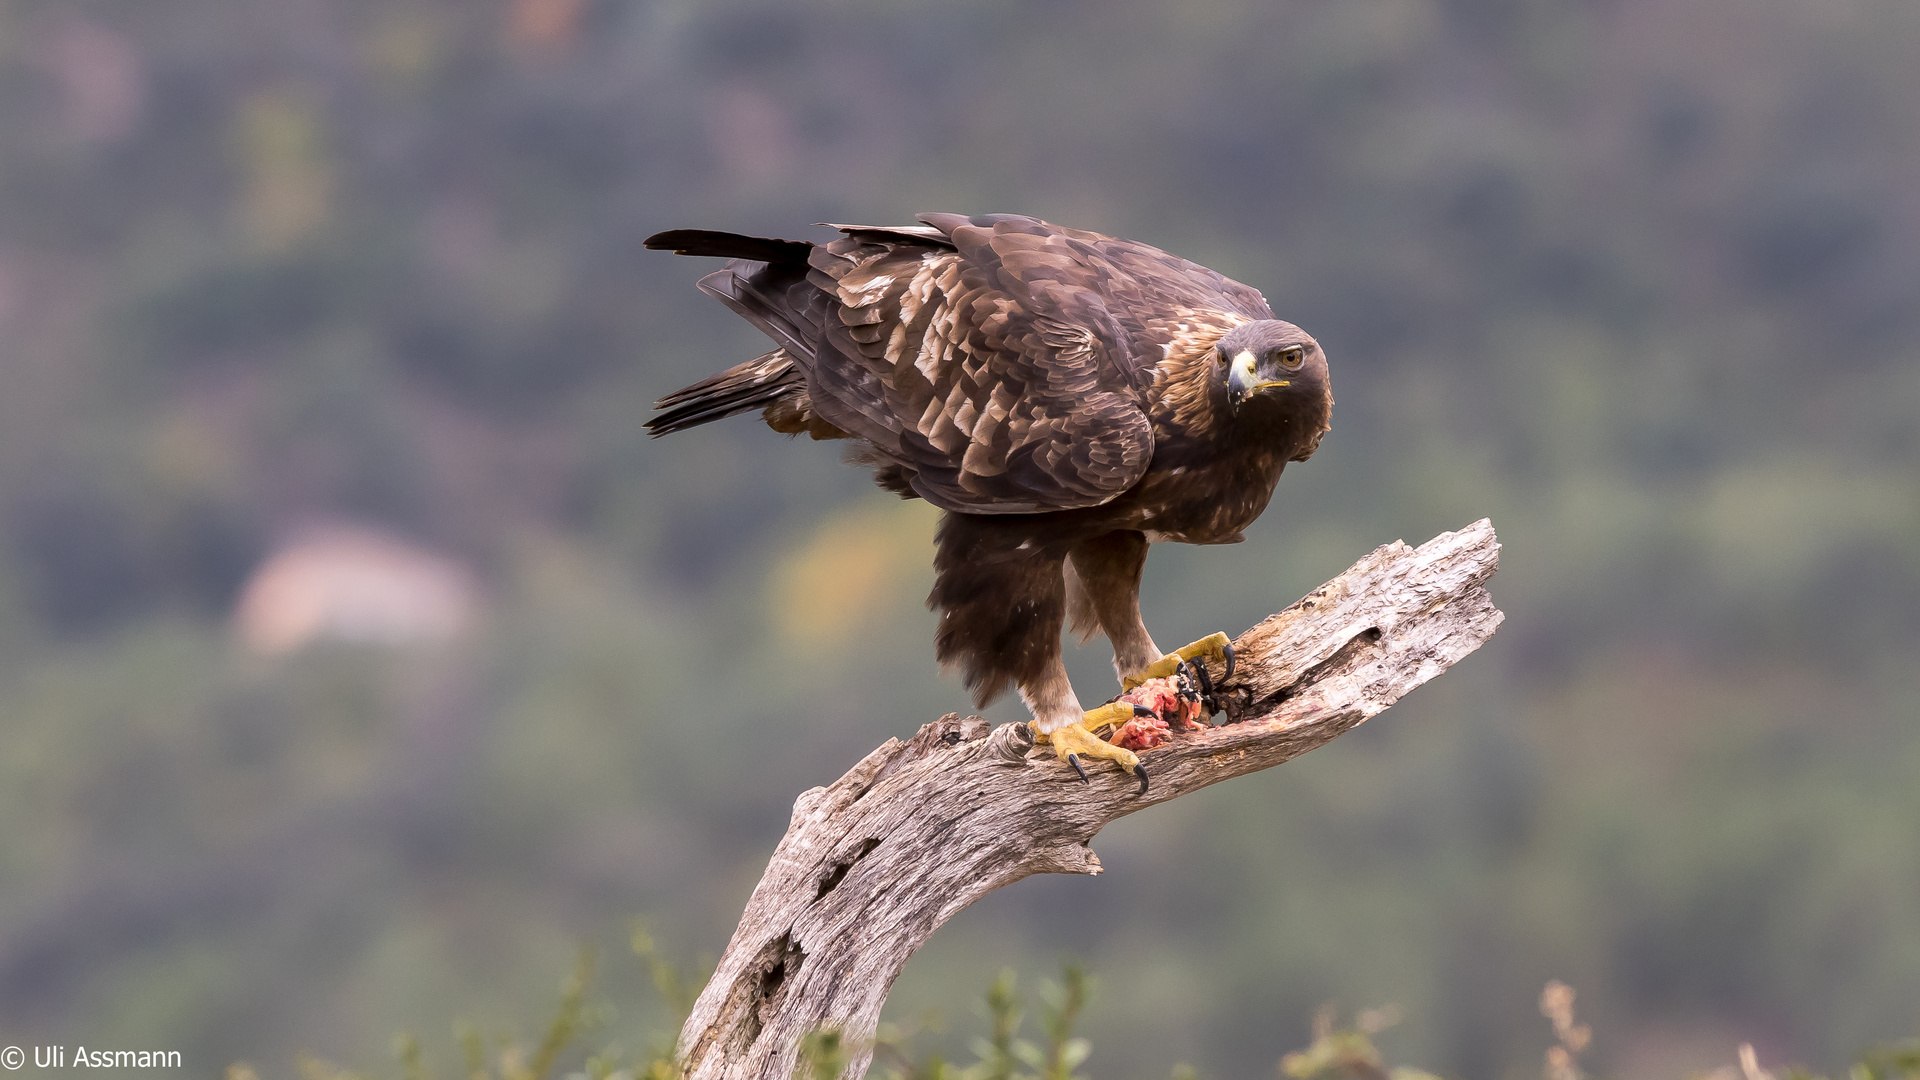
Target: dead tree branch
(873,864)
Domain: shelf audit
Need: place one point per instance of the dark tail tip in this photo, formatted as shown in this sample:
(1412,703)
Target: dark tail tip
(727,245)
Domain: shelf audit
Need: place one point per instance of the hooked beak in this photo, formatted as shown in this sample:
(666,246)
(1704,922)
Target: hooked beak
(1244,378)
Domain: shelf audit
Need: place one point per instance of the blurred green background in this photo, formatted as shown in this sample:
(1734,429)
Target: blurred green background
(359,656)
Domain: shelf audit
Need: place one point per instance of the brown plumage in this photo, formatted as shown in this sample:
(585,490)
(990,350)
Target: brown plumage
(1067,398)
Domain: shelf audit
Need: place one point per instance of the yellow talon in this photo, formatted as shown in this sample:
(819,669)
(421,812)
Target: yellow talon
(1215,646)
(1112,714)
(1077,740)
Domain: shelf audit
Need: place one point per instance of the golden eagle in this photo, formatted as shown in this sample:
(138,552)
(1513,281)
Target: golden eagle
(1067,398)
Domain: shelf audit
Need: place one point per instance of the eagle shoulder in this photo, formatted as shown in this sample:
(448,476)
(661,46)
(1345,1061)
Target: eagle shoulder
(988,367)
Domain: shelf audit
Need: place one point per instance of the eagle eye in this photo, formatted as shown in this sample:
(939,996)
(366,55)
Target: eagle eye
(1221,352)
(1290,357)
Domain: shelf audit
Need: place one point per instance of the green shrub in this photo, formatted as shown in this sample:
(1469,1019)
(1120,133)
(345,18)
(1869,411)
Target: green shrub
(1337,1052)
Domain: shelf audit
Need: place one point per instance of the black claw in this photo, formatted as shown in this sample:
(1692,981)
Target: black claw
(1140,771)
(1206,688)
(1074,760)
(1142,710)
(1186,683)
(1228,649)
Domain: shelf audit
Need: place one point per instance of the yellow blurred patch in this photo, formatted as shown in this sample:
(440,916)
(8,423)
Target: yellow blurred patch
(278,136)
(856,566)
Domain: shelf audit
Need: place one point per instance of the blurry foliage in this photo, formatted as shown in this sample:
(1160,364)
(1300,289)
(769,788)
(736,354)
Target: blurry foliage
(1634,279)
(1003,1054)
(1348,1053)
(563,1038)
(1337,1052)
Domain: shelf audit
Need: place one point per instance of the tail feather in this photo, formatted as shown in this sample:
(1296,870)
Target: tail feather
(728,245)
(757,299)
(766,285)
(755,384)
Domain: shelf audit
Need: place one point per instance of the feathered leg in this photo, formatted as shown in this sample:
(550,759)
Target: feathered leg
(1002,598)
(1104,587)
(1107,571)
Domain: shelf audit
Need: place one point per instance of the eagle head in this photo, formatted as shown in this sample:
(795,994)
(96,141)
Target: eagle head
(1272,361)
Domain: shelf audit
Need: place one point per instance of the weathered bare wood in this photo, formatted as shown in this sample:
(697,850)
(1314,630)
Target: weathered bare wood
(873,864)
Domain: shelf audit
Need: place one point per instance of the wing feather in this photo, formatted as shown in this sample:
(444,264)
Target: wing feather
(1001,364)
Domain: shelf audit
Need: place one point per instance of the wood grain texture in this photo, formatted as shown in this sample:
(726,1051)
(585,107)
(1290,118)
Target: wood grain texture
(873,864)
